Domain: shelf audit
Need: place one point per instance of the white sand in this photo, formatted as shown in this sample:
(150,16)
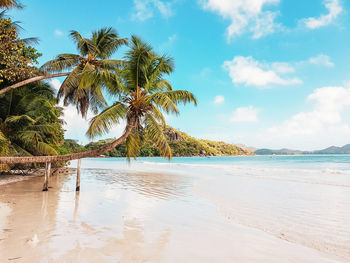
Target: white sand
(130,218)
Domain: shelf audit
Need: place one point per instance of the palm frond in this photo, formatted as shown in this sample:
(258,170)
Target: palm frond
(180,96)
(102,123)
(19,120)
(44,128)
(163,101)
(4,145)
(97,100)
(69,85)
(133,144)
(158,115)
(87,78)
(111,64)
(60,63)
(138,57)
(114,83)
(3,138)
(155,133)
(44,149)
(158,85)
(20,150)
(107,42)
(161,65)
(30,41)
(30,137)
(84,45)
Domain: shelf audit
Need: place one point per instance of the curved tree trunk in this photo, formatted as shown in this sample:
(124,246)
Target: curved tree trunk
(73,156)
(31,80)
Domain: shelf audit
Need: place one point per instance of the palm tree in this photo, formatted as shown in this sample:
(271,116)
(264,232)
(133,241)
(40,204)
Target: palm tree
(30,122)
(143,95)
(82,86)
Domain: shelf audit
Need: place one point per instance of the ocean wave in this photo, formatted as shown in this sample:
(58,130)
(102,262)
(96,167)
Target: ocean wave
(228,167)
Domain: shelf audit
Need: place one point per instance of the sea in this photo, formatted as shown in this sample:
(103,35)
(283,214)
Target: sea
(256,209)
(300,199)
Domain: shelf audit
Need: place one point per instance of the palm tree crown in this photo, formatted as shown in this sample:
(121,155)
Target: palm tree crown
(89,68)
(30,122)
(143,97)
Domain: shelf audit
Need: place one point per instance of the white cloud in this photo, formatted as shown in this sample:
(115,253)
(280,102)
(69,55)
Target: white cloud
(245,16)
(322,60)
(334,9)
(58,33)
(245,114)
(325,116)
(144,9)
(219,99)
(253,73)
(282,67)
(55,83)
(76,126)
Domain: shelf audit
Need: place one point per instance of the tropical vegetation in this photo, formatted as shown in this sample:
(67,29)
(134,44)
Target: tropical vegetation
(17,58)
(138,84)
(88,69)
(30,120)
(143,96)
(181,145)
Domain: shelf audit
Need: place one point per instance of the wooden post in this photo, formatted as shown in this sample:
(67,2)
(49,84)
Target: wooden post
(78,176)
(47,176)
(76,206)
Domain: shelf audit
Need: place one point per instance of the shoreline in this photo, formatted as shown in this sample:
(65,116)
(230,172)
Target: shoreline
(144,219)
(14,178)
(9,179)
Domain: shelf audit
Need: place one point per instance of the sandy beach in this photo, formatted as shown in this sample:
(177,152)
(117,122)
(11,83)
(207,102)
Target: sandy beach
(167,131)
(132,216)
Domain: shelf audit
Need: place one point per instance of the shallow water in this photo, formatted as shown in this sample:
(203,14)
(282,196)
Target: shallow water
(236,209)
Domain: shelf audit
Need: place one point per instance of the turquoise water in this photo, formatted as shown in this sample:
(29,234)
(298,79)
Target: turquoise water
(312,162)
(303,199)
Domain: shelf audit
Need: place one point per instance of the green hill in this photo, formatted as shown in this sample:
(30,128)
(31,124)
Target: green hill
(184,145)
(181,144)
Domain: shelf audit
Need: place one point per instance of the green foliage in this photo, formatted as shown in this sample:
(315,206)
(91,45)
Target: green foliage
(144,95)
(31,53)
(185,145)
(16,58)
(29,119)
(189,146)
(89,69)
(30,122)
(70,146)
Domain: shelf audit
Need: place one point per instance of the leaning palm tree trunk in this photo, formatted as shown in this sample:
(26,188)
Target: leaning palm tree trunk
(31,80)
(68,157)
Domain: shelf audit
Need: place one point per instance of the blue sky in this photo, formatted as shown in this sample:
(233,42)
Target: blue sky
(267,73)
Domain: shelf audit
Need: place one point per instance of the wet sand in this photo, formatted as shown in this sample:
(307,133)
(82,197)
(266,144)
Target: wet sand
(122,216)
(7,179)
